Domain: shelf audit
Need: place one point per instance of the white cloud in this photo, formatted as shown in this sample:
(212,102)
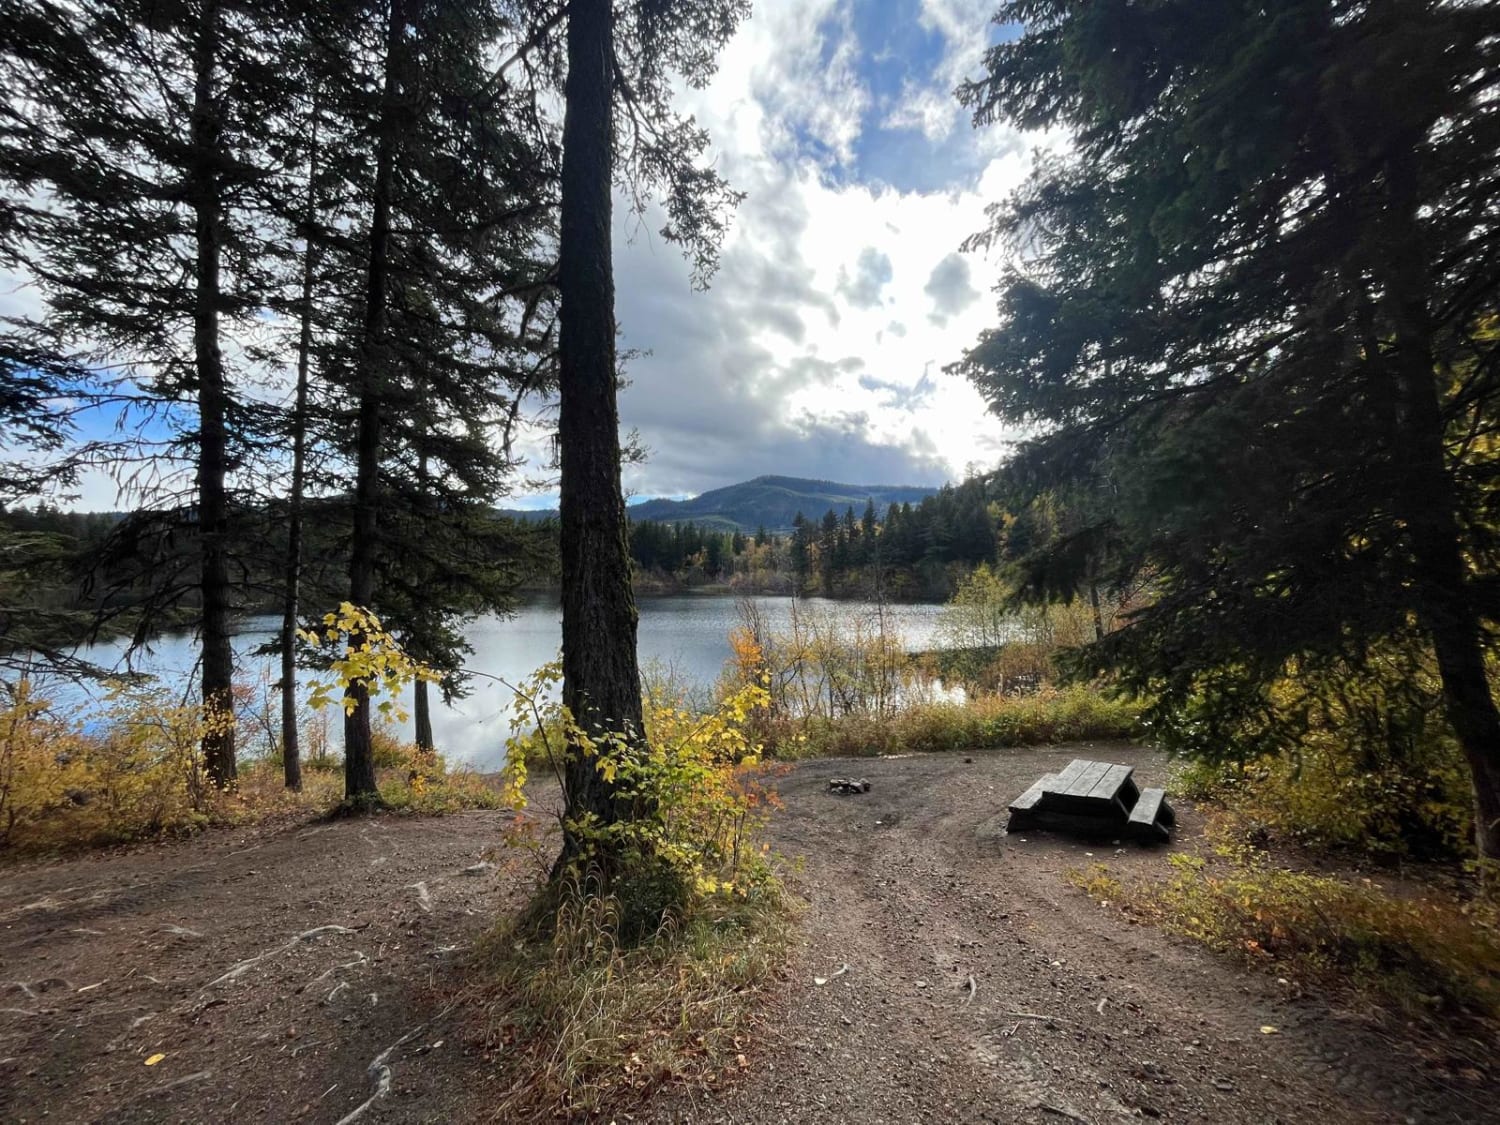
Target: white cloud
(813,353)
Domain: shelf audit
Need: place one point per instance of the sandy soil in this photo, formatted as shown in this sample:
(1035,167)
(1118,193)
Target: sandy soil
(299,972)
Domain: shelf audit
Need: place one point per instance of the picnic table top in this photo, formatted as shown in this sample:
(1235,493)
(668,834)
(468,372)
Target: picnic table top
(1101,781)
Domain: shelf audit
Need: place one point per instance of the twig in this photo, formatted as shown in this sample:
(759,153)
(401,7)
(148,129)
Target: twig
(973,988)
(1038,1016)
(196,1076)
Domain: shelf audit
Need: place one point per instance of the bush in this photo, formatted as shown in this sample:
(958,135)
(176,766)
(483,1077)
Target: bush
(1325,796)
(135,771)
(696,781)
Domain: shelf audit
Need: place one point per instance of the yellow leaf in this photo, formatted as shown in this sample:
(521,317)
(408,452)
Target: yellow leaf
(154,1059)
(1267,1029)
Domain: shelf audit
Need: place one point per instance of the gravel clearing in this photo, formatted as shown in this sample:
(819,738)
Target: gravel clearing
(297,972)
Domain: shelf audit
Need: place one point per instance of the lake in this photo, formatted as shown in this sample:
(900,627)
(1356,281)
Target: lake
(686,635)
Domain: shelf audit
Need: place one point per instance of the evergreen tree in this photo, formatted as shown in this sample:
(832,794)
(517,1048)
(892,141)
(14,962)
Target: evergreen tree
(1259,294)
(455,326)
(620,63)
(145,251)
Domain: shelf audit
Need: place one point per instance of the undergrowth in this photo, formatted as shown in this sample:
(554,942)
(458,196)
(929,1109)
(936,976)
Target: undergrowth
(1326,797)
(1429,955)
(640,962)
(577,1020)
(133,770)
(1049,715)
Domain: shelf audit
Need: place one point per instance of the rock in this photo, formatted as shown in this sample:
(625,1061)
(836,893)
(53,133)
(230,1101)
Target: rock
(847,785)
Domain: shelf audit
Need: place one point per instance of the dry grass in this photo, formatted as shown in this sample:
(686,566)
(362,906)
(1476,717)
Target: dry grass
(1050,715)
(1428,955)
(578,1022)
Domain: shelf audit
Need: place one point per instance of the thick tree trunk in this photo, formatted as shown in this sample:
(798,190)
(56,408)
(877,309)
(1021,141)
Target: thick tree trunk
(359,758)
(1429,505)
(601,680)
(213,435)
(291,752)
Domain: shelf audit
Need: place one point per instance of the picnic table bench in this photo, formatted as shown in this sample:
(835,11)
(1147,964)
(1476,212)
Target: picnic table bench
(1095,796)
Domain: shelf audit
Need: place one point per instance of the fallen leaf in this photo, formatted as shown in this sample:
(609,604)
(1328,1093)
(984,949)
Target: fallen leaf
(154,1059)
(1267,1029)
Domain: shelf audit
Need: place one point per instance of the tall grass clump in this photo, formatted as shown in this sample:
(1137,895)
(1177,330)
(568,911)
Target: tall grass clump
(579,1020)
(1049,715)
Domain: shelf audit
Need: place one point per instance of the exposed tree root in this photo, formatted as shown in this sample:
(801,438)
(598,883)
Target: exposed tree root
(380,1072)
(245,966)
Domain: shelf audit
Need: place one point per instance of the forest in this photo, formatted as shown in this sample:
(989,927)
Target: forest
(322,288)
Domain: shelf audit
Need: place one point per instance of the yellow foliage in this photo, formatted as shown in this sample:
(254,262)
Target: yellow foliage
(362,652)
(698,779)
(136,771)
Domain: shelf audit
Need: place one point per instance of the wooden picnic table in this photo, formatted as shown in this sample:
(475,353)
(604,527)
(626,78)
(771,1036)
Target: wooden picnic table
(1092,796)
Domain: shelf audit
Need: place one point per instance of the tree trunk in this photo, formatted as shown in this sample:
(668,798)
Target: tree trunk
(1097,612)
(422,717)
(359,758)
(601,680)
(1429,505)
(213,435)
(291,753)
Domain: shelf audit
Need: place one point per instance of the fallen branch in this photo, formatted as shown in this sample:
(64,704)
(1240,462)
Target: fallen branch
(821,981)
(196,1076)
(306,935)
(359,960)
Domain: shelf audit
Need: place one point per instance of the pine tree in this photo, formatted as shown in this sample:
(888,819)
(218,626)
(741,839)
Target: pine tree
(456,324)
(1259,295)
(620,65)
(145,251)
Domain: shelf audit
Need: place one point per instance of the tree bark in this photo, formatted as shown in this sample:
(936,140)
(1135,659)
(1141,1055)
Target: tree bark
(291,753)
(422,717)
(213,436)
(359,759)
(601,679)
(1429,506)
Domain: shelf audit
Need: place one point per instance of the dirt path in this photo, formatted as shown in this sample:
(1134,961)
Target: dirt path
(294,973)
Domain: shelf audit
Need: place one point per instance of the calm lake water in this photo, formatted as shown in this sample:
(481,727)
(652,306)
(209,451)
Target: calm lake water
(686,635)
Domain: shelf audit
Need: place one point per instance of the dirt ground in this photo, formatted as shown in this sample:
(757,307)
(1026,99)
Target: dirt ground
(304,972)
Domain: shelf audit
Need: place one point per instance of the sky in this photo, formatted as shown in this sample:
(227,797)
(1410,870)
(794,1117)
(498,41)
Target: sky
(819,349)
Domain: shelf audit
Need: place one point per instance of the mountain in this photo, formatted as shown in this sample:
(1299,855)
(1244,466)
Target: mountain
(770,502)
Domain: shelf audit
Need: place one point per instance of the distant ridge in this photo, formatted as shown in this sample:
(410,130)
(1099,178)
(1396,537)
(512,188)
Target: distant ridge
(771,502)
